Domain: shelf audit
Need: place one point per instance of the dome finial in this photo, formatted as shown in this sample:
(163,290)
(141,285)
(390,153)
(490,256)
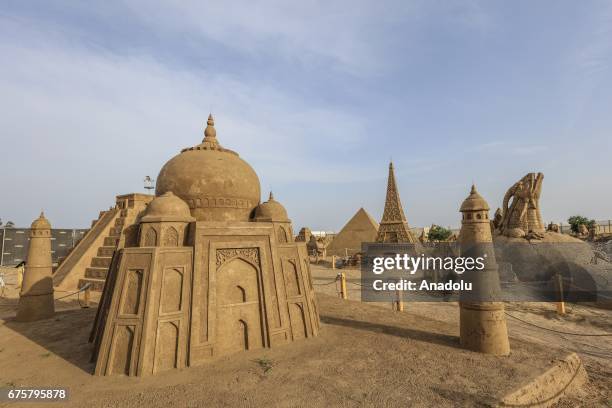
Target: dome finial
(210,133)
(473,191)
(271,196)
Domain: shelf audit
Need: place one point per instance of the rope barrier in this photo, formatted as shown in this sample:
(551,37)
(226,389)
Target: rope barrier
(325,284)
(558,331)
(523,282)
(85,287)
(589,290)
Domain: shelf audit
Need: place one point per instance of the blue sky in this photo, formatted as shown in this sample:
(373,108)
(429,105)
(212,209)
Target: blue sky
(317,96)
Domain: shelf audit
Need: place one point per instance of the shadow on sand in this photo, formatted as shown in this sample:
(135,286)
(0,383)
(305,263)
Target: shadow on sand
(66,335)
(414,334)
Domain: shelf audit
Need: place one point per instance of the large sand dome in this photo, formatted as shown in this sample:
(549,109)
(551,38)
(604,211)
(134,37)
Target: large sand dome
(215,182)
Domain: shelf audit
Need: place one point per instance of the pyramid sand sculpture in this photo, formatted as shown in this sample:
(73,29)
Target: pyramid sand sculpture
(89,261)
(360,228)
(393,226)
(212,272)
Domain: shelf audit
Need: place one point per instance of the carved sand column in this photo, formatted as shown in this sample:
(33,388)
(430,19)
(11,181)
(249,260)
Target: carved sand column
(36,296)
(482,320)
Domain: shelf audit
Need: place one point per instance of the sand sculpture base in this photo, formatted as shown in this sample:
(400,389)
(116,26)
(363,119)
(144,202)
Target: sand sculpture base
(35,307)
(483,328)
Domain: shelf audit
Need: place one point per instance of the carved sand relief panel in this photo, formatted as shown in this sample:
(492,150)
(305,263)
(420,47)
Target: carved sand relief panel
(295,299)
(202,288)
(121,350)
(298,320)
(166,354)
(282,235)
(275,294)
(311,299)
(150,237)
(239,323)
(171,237)
(132,292)
(126,311)
(307,273)
(172,291)
(292,280)
(310,296)
(218,202)
(170,347)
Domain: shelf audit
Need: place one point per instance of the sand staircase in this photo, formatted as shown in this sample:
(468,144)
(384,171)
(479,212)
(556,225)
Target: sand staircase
(95,274)
(91,258)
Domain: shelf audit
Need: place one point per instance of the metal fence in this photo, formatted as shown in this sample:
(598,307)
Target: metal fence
(14,243)
(604,227)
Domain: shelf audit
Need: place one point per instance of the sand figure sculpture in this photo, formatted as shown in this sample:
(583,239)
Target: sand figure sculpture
(482,320)
(360,228)
(521,217)
(583,231)
(593,231)
(531,247)
(304,235)
(317,246)
(36,295)
(393,226)
(214,272)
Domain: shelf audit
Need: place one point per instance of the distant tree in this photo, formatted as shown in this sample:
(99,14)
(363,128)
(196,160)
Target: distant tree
(576,220)
(438,233)
(9,224)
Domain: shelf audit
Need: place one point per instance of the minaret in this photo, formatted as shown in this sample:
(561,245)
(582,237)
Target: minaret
(36,296)
(482,320)
(393,226)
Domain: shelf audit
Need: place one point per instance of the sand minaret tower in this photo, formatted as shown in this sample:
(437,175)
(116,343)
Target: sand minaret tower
(482,320)
(36,296)
(393,226)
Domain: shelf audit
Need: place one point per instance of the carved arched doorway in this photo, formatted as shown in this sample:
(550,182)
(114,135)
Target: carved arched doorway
(239,325)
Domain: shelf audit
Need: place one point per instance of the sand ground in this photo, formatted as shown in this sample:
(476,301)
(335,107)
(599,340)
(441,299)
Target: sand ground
(595,351)
(366,355)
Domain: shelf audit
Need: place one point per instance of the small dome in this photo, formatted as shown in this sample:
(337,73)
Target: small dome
(169,207)
(474,202)
(215,182)
(271,210)
(41,222)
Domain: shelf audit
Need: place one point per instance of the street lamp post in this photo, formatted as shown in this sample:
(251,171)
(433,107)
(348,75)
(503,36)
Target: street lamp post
(149,184)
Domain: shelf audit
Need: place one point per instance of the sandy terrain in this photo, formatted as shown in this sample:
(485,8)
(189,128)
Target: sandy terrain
(366,355)
(595,351)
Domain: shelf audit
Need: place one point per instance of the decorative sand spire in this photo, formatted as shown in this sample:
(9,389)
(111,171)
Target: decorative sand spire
(393,226)
(210,134)
(210,131)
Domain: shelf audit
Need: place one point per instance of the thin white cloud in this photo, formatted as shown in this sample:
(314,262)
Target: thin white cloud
(104,121)
(506,148)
